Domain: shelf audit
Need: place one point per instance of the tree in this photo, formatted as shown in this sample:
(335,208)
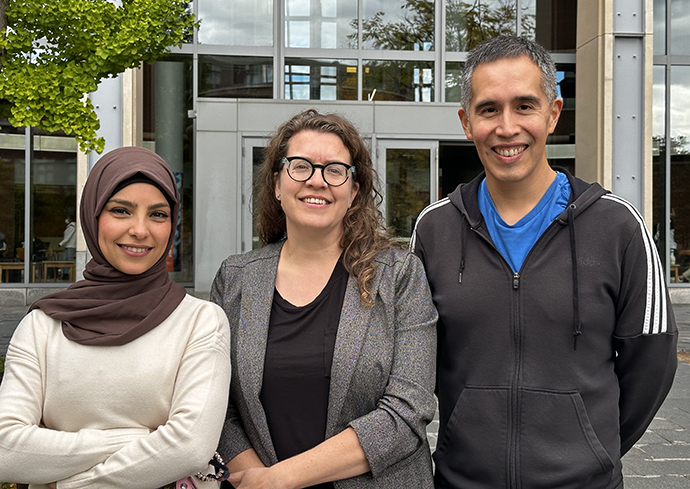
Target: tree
(54,52)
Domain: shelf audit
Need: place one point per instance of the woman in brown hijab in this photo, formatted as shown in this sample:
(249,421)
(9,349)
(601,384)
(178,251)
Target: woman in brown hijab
(121,380)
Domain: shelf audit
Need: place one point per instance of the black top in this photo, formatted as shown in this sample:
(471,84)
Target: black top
(297,368)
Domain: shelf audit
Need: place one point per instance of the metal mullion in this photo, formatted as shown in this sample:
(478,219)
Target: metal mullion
(440,68)
(667,138)
(28,241)
(360,59)
(278,50)
(667,172)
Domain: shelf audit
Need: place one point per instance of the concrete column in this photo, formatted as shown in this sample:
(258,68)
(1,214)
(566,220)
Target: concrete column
(107,102)
(614,98)
(82,252)
(133,107)
(170,113)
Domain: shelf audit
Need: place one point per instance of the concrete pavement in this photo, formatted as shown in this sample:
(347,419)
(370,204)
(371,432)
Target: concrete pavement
(660,459)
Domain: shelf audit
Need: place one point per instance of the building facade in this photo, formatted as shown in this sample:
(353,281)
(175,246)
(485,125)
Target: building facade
(393,68)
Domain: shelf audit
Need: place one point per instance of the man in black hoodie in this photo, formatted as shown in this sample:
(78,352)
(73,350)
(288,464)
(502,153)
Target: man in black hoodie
(556,336)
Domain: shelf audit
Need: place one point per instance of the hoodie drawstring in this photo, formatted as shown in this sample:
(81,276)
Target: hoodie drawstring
(462,251)
(577,327)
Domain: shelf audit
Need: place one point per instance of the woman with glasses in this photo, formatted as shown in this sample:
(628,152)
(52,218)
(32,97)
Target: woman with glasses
(332,327)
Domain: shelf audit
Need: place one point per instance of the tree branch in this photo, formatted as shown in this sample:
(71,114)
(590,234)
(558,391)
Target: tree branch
(3,26)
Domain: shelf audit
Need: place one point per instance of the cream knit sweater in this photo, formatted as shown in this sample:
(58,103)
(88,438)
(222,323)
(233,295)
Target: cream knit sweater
(138,415)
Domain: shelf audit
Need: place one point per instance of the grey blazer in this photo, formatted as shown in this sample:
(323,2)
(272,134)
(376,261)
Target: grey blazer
(383,372)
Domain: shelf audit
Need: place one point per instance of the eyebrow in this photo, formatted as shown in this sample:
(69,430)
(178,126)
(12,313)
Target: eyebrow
(522,98)
(133,205)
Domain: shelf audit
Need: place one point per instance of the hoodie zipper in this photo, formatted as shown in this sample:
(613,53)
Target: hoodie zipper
(514,391)
(513,470)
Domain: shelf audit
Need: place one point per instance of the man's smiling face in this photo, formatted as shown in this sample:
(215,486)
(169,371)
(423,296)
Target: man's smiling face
(509,119)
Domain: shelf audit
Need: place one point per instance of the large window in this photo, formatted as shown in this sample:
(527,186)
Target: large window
(346,49)
(325,24)
(411,81)
(236,22)
(549,22)
(235,77)
(320,79)
(671,137)
(168,131)
(398,25)
(37,225)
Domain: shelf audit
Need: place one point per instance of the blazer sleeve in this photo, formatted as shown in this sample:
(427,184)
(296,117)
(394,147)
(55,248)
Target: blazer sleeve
(226,291)
(397,427)
(645,338)
(186,442)
(51,455)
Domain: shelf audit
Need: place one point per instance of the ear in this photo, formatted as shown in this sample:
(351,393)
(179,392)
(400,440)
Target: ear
(353,193)
(276,179)
(465,121)
(556,109)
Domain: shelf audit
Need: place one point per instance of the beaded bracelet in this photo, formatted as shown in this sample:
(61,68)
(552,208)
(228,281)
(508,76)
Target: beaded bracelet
(222,472)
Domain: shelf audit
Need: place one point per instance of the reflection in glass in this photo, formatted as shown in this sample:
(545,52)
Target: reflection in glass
(257,161)
(565,130)
(408,177)
(659,27)
(235,77)
(398,25)
(320,79)
(53,215)
(168,131)
(680,165)
(528,18)
(453,81)
(399,80)
(553,26)
(680,28)
(325,24)
(236,22)
(659,168)
(470,22)
(12,205)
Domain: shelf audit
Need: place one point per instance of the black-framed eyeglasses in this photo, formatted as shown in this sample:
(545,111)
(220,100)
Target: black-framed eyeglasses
(301,169)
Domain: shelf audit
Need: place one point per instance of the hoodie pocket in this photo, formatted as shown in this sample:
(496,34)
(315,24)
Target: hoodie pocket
(558,446)
(472,448)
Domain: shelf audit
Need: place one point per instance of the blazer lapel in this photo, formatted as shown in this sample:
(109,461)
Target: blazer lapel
(352,329)
(257,299)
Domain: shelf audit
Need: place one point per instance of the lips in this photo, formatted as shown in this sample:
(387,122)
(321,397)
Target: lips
(510,152)
(136,249)
(314,200)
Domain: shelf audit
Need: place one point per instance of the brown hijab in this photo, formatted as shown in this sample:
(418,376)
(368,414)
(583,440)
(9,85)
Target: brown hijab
(110,307)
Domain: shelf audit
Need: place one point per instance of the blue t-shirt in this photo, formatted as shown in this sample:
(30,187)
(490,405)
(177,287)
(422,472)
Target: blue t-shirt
(514,242)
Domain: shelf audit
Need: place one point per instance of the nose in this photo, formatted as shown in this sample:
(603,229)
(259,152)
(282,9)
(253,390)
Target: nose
(139,228)
(508,124)
(316,180)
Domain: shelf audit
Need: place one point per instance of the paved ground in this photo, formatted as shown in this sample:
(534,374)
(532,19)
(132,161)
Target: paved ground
(661,459)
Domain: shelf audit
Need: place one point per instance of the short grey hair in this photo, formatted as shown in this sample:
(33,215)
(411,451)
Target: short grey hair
(509,47)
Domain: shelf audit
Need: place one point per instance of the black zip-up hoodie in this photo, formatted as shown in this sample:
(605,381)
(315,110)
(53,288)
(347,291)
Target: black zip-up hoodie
(548,376)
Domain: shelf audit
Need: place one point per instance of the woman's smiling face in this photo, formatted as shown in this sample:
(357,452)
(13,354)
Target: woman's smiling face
(314,205)
(134,228)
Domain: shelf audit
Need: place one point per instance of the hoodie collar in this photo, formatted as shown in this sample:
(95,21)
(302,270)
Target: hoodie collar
(583,195)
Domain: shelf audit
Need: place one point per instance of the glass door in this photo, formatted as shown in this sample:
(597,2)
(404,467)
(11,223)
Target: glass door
(252,158)
(409,174)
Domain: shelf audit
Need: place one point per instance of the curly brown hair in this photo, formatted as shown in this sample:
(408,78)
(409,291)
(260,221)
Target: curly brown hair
(364,232)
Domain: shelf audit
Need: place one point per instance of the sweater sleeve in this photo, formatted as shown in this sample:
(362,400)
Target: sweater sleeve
(645,338)
(51,455)
(226,292)
(397,427)
(70,230)
(186,442)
